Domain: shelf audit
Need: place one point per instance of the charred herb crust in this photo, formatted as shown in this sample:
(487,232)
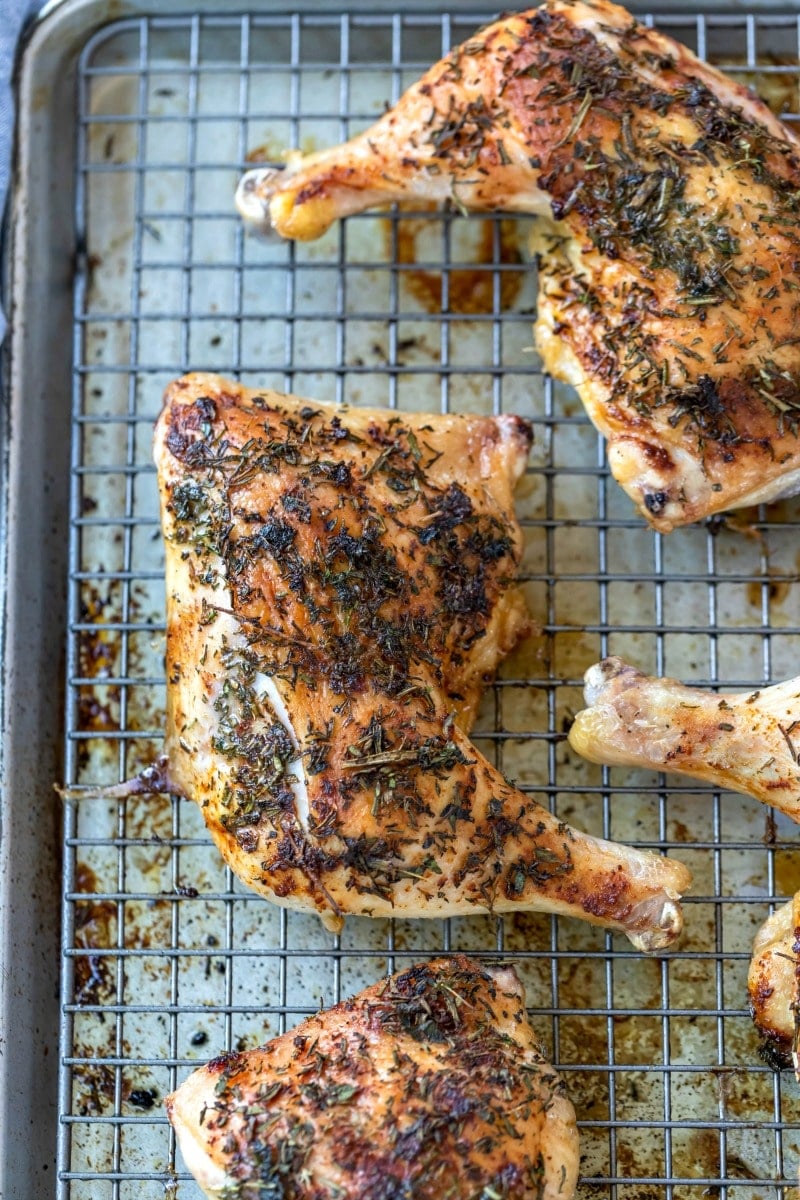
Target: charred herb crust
(362,583)
(457,1116)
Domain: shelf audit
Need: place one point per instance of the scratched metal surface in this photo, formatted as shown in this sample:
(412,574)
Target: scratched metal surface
(168,961)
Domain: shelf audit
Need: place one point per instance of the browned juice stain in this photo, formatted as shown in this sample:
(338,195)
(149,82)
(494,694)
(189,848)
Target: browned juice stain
(471,289)
(98,650)
(94,1087)
(93,922)
(787,872)
(262,153)
(275,152)
(700,1154)
(680,832)
(93,715)
(98,647)
(781,511)
(528,658)
(778,587)
(146,816)
(574,652)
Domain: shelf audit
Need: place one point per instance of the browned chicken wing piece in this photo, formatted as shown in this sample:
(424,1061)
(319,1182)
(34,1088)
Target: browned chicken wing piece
(774,984)
(428,1085)
(340,584)
(747,743)
(669,247)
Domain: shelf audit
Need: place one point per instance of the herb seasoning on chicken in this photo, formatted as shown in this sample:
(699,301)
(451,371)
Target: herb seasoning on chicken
(428,1085)
(669,247)
(340,584)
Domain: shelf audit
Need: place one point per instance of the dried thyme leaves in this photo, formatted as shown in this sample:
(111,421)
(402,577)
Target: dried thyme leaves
(657,172)
(351,572)
(455,1093)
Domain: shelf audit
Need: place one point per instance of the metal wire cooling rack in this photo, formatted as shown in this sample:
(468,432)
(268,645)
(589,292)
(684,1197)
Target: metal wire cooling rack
(167,961)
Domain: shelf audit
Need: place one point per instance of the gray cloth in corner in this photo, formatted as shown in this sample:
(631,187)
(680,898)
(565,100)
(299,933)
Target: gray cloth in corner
(13,16)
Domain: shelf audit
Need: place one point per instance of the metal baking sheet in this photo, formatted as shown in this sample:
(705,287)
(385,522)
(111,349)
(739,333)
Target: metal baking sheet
(131,266)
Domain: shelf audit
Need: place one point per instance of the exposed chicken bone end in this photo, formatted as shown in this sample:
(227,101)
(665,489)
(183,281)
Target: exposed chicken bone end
(254,190)
(252,196)
(663,925)
(598,676)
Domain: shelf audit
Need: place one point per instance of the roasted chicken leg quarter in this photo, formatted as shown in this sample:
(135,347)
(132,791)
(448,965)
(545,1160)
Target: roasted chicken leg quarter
(340,584)
(429,1084)
(669,247)
(747,743)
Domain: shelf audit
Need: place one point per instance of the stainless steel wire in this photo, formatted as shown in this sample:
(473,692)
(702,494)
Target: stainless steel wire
(166,960)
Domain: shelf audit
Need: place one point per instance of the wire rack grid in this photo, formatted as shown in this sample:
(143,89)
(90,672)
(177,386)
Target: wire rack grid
(167,960)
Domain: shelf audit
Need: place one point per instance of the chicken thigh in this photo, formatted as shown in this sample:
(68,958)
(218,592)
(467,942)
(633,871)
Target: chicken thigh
(429,1084)
(669,247)
(748,743)
(340,584)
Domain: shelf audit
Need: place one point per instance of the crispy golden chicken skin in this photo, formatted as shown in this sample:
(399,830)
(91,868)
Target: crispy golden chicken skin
(340,584)
(746,743)
(669,247)
(428,1085)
